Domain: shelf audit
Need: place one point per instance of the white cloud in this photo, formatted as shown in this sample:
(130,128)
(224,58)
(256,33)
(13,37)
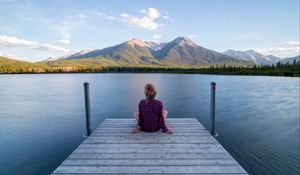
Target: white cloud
(105,15)
(143,11)
(288,48)
(152,13)
(67,25)
(82,16)
(111,17)
(9,41)
(156,36)
(50,47)
(165,17)
(13,42)
(64,41)
(294,43)
(147,21)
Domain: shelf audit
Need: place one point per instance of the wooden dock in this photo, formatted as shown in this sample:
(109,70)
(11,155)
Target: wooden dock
(112,149)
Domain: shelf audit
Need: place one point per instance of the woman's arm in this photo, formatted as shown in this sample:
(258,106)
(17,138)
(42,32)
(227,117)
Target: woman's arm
(140,123)
(163,123)
(141,117)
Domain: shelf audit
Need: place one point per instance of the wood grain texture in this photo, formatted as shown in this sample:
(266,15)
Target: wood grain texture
(112,149)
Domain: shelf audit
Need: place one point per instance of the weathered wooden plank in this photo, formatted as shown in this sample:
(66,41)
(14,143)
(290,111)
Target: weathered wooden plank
(150,150)
(129,121)
(151,156)
(167,122)
(133,121)
(148,141)
(175,129)
(129,129)
(133,125)
(151,162)
(145,134)
(149,169)
(157,133)
(136,137)
(146,148)
(162,136)
(147,173)
(168,119)
(155,146)
(129,132)
(151,141)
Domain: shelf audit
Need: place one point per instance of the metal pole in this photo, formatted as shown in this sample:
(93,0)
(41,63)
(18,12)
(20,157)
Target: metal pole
(213,109)
(87,107)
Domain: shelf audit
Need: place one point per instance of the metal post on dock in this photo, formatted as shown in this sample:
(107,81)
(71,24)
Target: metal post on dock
(213,109)
(87,107)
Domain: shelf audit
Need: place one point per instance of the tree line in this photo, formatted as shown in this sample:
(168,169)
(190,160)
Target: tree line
(278,69)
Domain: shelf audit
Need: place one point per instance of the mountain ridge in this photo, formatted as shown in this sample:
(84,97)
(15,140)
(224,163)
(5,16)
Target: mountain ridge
(253,55)
(180,51)
(291,60)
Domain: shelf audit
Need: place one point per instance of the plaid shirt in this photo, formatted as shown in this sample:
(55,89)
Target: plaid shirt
(150,116)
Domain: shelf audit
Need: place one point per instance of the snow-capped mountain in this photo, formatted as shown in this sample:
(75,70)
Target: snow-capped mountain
(252,55)
(150,44)
(75,55)
(180,51)
(155,46)
(51,59)
(184,51)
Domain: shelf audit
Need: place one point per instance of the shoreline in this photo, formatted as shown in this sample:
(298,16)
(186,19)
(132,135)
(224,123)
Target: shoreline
(159,72)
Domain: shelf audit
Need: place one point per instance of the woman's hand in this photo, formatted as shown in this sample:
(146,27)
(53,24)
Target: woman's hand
(169,131)
(136,130)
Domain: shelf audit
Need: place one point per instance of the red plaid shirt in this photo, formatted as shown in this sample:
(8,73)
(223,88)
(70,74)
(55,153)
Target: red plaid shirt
(150,116)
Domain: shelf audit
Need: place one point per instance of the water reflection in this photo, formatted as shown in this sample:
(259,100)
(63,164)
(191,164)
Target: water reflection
(42,116)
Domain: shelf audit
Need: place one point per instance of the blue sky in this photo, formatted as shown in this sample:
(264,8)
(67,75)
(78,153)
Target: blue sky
(35,30)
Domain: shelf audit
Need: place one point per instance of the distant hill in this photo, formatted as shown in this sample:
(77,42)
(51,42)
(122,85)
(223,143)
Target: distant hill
(181,51)
(8,65)
(92,62)
(12,65)
(251,55)
(6,62)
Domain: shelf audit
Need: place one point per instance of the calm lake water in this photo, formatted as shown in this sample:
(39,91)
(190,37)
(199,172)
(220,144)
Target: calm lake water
(42,116)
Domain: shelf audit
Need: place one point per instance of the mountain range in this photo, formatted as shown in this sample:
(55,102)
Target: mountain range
(254,56)
(180,51)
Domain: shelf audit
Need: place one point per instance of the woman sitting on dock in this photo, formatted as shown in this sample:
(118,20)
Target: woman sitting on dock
(151,116)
